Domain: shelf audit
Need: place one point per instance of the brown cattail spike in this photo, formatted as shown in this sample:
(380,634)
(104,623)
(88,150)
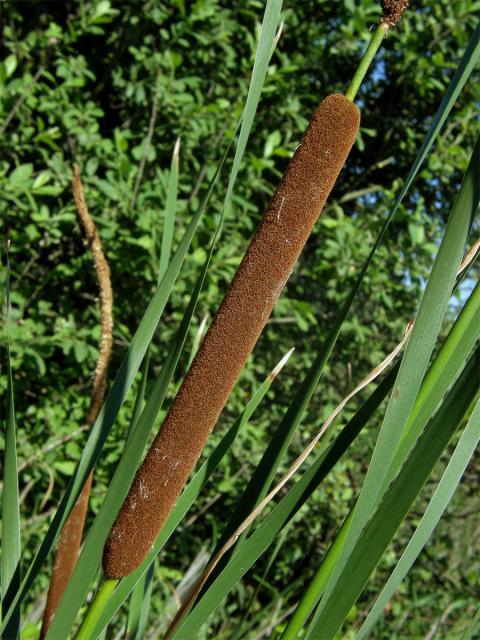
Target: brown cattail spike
(392,11)
(260,279)
(71,534)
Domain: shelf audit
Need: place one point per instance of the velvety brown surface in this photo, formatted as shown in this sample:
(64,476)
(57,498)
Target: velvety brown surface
(260,279)
(393,10)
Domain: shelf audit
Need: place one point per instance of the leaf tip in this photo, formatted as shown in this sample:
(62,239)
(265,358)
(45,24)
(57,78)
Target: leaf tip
(281,364)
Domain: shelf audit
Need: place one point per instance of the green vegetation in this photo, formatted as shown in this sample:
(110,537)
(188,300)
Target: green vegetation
(114,86)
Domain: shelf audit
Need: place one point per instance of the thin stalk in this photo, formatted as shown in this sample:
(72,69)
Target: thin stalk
(315,589)
(96,609)
(70,538)
(139,400)
(365,62)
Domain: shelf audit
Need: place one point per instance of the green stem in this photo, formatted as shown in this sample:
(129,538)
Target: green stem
(373,47)
(315,589)
(96,608)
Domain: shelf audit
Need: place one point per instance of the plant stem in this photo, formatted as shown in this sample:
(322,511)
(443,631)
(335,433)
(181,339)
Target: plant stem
(373,47)
(315,589)
(96,608)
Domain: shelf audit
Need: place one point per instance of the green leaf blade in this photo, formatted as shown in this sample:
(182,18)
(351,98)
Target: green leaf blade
(169,212)
(11,547)
(436,507)
(391,511)
(384,464)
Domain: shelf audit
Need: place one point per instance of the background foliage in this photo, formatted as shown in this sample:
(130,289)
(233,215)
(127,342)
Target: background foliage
(113,84)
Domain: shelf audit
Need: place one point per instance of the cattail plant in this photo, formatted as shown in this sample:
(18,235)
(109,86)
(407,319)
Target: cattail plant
(71,535)
(259,281)
(428,401)
(268,262)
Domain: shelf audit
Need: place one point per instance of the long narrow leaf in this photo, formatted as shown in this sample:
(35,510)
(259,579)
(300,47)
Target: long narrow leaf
(265,48)
(446,365)
(10,568)
(395,505)
(140,606)
(437,505)
(414,364)
(140,600)
(169,213)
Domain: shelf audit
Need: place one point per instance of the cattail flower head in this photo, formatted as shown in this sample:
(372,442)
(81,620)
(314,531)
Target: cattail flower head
(259,281)
(392,11)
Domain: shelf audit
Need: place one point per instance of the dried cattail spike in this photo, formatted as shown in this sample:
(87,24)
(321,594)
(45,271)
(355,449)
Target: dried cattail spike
(71,536)
(393,10)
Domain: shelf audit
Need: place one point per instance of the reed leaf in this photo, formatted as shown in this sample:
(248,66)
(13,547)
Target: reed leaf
(140,598)
(436,507)
(11,548)
(432,309)
(393,508)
